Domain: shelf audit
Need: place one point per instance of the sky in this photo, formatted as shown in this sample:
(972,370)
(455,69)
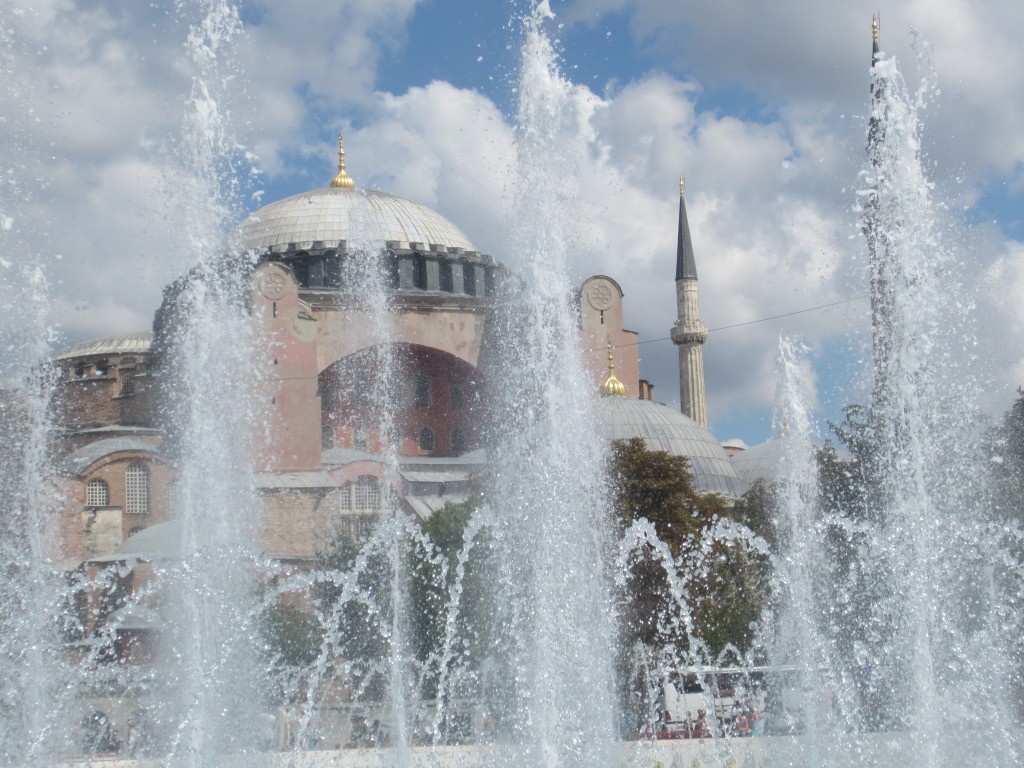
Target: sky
(761,106)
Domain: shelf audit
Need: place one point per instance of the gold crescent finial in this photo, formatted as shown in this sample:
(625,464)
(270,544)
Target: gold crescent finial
(682,186)
(342,179)
(612,386)
(874,28)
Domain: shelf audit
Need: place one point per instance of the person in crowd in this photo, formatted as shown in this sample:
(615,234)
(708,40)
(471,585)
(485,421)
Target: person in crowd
(702,728)
(740,723)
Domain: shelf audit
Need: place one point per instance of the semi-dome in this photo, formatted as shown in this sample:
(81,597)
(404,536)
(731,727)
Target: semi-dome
(666,429)
(325,217)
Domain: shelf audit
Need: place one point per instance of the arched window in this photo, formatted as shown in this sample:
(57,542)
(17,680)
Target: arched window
(360,438)
(391,274)
(458,441)
(444,277)
(426,439)
(421,391)
(127,385)
(300,268)
(332,269)
(419,271)
(469,279)
(136,489)
(97,494)
(316,272)
(367,496)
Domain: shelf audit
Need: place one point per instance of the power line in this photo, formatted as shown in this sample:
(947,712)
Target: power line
(747,322)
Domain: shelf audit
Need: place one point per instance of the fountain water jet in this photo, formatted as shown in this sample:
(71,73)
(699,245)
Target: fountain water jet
(908,546)
(546,524)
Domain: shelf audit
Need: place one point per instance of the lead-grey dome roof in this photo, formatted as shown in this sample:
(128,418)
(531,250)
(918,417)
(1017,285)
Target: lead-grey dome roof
(122,344)
(82,458)
(760,462)
(329,216)
(765,461)
(666,429)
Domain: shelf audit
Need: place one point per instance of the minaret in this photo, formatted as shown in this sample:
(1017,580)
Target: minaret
(884,269)
(689,333)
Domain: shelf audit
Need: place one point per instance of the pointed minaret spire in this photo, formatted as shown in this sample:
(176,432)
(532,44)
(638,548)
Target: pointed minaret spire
(686,266)
(689,333)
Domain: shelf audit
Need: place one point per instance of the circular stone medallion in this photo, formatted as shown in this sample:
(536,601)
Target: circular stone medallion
(272,285)
(599,296)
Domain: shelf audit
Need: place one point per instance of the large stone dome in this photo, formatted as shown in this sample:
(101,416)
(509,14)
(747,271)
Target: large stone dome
(666,429)
(325,217)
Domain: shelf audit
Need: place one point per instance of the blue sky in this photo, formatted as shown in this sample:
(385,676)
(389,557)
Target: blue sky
(761,106)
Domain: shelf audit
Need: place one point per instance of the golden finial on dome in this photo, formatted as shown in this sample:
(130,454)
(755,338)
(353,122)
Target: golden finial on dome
(682,186)
(874,28)
(612,386)
(342,179)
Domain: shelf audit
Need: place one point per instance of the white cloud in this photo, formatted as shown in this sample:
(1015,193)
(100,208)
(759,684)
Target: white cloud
(769,193)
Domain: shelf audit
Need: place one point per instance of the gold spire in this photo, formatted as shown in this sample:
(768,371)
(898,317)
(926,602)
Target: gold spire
(874,28)
(612,386)
(682,186)
(342,179)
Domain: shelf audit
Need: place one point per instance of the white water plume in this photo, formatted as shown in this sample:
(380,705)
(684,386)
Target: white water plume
(216,412)
(549,497)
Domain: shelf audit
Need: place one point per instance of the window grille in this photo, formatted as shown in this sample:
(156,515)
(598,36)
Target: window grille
(97,494)
(367,496)
(136,489)
(127,385)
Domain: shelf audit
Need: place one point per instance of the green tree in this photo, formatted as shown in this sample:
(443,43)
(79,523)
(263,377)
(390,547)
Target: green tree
(355,600)
(727,584)
(291,636)
(656,485)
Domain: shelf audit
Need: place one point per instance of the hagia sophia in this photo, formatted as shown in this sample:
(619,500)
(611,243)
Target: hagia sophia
(320,471)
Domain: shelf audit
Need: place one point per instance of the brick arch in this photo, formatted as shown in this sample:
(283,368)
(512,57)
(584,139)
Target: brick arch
(437,324)
(423,388)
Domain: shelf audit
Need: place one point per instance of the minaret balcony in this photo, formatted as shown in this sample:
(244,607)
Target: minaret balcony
(689,333)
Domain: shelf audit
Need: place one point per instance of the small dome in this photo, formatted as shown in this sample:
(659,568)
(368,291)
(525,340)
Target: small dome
(759,462)
(765,461)
(329,216)
(123,344)
(666,429)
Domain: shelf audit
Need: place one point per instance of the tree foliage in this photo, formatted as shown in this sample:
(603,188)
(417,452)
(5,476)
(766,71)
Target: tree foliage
(726,585)
(656,485)
(291,635)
